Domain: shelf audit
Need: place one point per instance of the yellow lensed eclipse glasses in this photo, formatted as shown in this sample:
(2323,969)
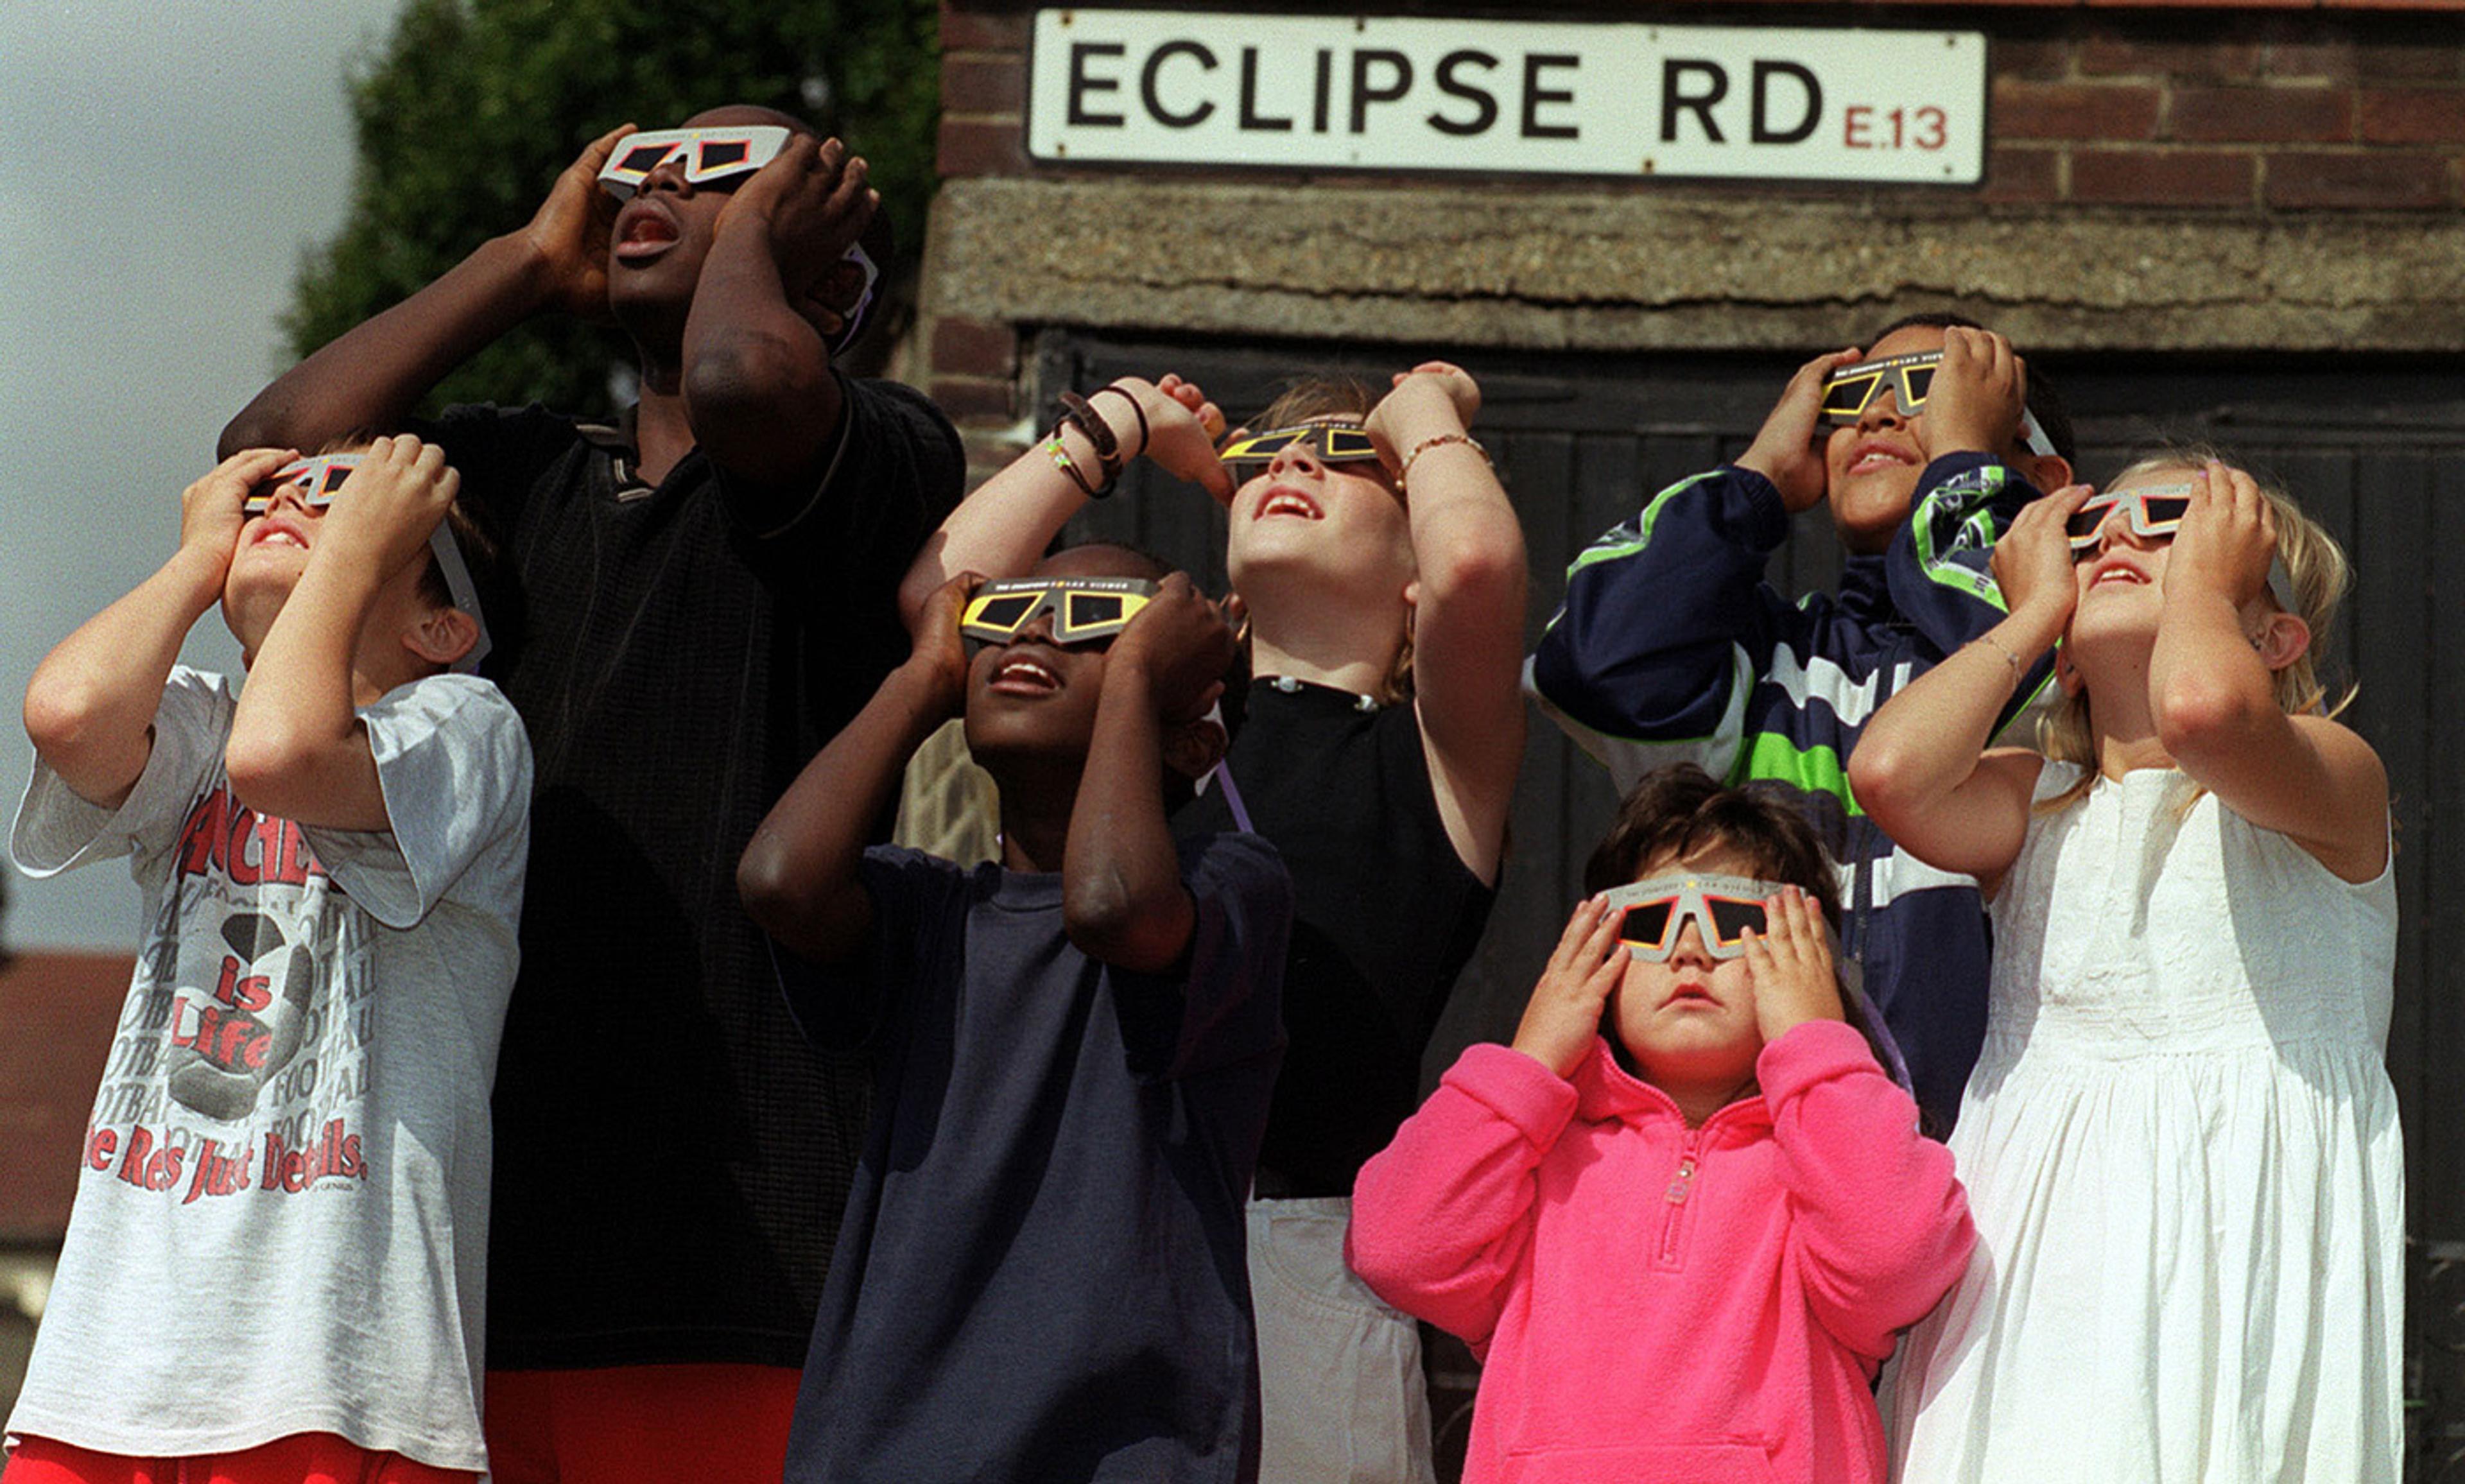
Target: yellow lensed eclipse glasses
(1847,393)
(1083,608)
(1334,443)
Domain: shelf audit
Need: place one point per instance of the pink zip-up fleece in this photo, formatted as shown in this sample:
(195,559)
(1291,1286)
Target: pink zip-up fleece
(1654,1302)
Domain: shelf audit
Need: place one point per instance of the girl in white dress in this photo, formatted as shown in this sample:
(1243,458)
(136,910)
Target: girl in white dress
(2180,1143)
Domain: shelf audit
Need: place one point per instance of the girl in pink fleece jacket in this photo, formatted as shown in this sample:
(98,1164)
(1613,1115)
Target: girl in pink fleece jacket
(1680,1218)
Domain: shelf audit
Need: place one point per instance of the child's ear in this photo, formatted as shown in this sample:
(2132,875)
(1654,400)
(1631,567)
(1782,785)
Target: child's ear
(2048,472)
(2284,639)
(443,637)
(2066,673)
(1192,748)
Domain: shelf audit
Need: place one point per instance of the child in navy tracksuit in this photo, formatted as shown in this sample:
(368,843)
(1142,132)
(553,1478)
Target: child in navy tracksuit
(1670,647)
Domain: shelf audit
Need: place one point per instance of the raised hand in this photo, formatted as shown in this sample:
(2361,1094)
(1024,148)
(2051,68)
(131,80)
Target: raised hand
(1790,961)
(2226,538)
(1431,400)
(1173,424)
(1979,391)
(1787,450)
(2033,560)
(384,511)
(1184,644)
(937,652)
(570,231)
(1565,1012)
(813,203)
(211,509)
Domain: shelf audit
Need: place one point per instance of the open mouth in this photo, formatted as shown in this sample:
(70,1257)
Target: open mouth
(279,533)
(1872,456)
(2114,570)
(643,233)
(1019,675)
(1283,502)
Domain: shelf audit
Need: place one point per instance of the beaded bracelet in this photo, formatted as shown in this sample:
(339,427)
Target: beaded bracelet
(1403,470)
(1059,453)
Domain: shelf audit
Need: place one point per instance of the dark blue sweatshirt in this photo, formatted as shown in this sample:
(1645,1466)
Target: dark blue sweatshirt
(1672,648)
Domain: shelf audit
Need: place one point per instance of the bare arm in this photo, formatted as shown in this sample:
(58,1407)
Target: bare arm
(90,705)
(1005,525)
(1122,899)
(298,747)
(757,385)
(2210,689)
(371,376)
(1922,770)
(1468,623)
(799,877)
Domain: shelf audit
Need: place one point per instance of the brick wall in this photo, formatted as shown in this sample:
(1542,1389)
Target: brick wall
(2223,113)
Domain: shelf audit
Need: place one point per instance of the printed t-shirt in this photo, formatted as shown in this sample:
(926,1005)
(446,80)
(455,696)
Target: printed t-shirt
(1041,1277)
(672,1155)
(1386,917)
(282,1215)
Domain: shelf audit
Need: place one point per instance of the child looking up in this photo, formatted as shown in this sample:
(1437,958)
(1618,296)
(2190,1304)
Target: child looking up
(1671,646)
(1680,1218)
(707,578)
(275,1262)
(1383,574)
(2183,1145)
(1040,1272)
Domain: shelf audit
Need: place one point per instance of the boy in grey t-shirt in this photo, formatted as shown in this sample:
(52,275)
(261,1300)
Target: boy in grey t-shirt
(276,1248)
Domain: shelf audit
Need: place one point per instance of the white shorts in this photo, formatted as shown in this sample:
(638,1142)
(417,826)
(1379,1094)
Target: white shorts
(1339,1368)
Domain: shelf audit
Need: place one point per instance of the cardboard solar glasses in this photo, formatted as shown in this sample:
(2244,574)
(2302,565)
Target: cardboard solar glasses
(321,477)
(1724,909)
(705,155)
(1334,443)
(2156,513)
(1848,392)
(1083,608)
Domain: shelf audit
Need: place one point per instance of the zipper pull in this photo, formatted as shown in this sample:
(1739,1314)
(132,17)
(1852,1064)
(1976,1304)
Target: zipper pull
(1676,1194)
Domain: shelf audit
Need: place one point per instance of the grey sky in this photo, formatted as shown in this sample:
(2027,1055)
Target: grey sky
(166,165)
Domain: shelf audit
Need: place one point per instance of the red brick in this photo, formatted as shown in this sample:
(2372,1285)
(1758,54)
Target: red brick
(2109,54)
(2335,61)
(2414,116)
(2438,56)
(984,87)
(974,347)
(2265,115)
(2016,173)
(976,147)
(2355,180)
(2162,177)
(2036,58)
(976,31)
(2075,110)
(967,398)
(57,1010)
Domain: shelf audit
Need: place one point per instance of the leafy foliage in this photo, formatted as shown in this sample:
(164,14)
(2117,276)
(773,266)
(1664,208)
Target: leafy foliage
(476,104)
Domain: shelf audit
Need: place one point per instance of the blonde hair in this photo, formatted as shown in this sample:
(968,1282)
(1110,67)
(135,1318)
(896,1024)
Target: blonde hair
(1309,399)
(2321,574)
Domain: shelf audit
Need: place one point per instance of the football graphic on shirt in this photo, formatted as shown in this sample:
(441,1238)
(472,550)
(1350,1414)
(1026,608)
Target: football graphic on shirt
(240,1017)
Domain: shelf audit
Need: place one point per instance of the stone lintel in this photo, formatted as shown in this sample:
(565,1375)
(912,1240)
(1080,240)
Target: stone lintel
(1432,264)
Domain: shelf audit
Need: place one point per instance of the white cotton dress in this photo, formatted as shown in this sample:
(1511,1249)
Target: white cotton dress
(2182,1153)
